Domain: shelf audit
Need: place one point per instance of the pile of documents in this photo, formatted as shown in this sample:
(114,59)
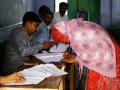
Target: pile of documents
(61,47)
(55,53)
(49,57)
(38,73)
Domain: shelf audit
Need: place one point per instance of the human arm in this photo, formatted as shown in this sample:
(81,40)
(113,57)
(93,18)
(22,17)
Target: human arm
(15,77)
(24,47)
(22,44)
(47,45)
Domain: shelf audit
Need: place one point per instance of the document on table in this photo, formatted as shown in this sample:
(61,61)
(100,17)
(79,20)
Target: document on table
(50,57)
(61,47)
(38,73)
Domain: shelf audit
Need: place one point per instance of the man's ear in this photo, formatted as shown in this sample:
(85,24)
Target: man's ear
(27,26)
(27,23)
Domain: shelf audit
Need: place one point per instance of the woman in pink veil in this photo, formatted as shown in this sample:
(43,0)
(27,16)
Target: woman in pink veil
(95,49)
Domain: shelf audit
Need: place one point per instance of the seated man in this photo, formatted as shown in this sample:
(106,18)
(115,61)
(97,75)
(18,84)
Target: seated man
(20,44)
(43,34)
(42,11)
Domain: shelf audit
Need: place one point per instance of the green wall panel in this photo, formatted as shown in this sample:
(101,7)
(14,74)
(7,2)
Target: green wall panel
(72,8)
(90,6)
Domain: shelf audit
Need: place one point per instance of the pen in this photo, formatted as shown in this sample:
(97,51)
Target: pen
(57,45)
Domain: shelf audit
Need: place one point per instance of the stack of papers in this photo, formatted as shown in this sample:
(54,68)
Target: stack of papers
(50,57)
(38,73)
(61,47)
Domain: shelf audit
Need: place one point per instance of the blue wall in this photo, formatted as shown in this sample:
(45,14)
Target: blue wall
(11,12)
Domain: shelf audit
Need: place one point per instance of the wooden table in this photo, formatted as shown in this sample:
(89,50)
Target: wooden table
(51,83)
(68,58)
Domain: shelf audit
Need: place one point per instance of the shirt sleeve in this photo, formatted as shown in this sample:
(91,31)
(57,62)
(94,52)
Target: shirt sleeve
(24,47)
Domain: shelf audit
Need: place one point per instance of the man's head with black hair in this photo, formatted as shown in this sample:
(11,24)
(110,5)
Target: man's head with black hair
(31,22)
(63,6)
(31,16)
(42,11)
(48,17)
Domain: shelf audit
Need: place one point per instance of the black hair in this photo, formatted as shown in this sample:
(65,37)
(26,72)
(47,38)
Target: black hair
(30,16)
(63,4)
(42,10)
(48,12)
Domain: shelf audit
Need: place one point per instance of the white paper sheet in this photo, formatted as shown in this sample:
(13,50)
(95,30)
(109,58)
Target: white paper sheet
(50,68)
(61,47)
(38,73)
(50,57)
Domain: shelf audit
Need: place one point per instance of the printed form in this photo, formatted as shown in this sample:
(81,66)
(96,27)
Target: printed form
(38,73)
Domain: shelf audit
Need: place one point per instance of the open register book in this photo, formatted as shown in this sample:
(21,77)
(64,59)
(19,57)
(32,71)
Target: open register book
(55,53)
(38,73)
(49,57)
(61,47)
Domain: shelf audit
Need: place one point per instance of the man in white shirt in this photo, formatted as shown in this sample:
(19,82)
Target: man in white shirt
(59,16)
